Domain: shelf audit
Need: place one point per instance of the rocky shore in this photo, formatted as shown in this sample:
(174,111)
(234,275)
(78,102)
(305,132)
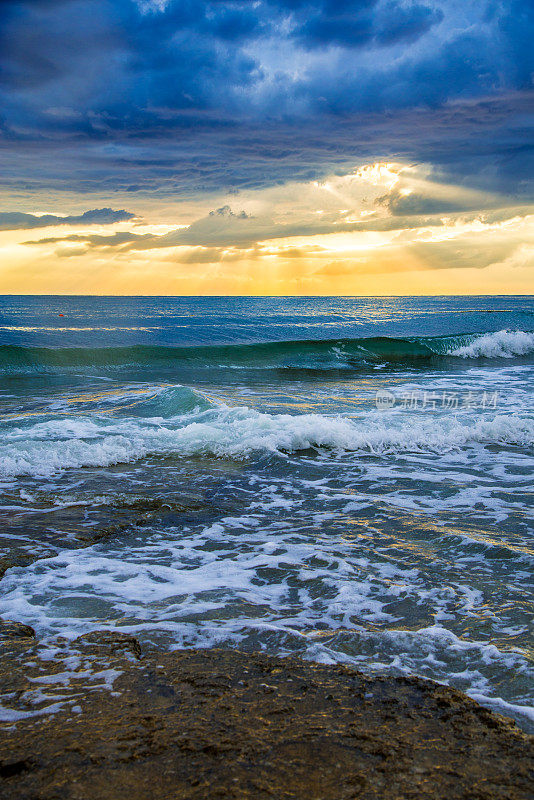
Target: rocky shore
(129,725)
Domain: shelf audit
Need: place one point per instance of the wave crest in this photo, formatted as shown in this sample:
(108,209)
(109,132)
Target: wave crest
(502,344)
(238,433)
(316,354)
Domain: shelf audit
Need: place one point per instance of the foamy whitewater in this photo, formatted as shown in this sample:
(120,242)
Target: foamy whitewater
(349,480)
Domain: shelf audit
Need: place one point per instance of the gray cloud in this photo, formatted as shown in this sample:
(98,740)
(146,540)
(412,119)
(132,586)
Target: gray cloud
(224,228)
(469,252)
(401,205)
(98,240)
(14,220)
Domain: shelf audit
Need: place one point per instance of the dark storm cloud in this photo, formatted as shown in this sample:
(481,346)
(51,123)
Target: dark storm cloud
(202,95)
(363,23)
(14,220)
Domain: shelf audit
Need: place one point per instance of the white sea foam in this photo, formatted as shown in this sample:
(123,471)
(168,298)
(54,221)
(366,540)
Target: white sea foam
(48,447)
(238,583)
(398,542)
(503,707)
(501,344)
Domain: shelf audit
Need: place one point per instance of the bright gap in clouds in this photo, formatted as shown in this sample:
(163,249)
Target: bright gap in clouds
(382,228)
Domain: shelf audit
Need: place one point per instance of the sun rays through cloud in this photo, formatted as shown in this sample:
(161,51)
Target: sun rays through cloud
(279,146)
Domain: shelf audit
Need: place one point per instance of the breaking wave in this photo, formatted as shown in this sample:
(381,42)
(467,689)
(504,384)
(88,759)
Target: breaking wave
(50,446)
(502,344)
(295,354)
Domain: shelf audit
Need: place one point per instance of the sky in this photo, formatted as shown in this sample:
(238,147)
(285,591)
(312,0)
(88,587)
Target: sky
(266,147)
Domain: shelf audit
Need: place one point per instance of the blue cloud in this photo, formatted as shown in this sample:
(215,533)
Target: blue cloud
(358,24)
(211,94)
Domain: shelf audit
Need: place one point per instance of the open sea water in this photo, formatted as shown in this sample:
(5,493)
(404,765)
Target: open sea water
(342,479)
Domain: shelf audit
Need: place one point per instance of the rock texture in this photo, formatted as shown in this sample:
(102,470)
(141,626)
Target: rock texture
(223,724)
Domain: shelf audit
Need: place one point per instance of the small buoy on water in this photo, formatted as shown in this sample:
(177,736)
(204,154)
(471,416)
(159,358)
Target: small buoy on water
(61,315)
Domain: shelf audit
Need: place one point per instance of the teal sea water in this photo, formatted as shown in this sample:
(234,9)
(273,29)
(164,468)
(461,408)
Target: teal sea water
(345,479)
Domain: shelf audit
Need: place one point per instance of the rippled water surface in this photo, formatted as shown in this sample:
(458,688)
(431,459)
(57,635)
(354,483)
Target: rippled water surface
(346,479)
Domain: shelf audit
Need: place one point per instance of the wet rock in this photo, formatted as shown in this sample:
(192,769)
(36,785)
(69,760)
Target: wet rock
(109,642)
(15,630)
(14,560)
(207,724)
(10,769)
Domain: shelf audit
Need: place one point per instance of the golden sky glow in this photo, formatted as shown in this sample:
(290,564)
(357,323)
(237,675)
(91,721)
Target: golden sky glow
(382,229)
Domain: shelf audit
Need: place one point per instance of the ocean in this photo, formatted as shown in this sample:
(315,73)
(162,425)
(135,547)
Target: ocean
(342,479)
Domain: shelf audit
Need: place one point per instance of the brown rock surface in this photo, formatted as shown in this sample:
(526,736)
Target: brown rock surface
(224,724)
